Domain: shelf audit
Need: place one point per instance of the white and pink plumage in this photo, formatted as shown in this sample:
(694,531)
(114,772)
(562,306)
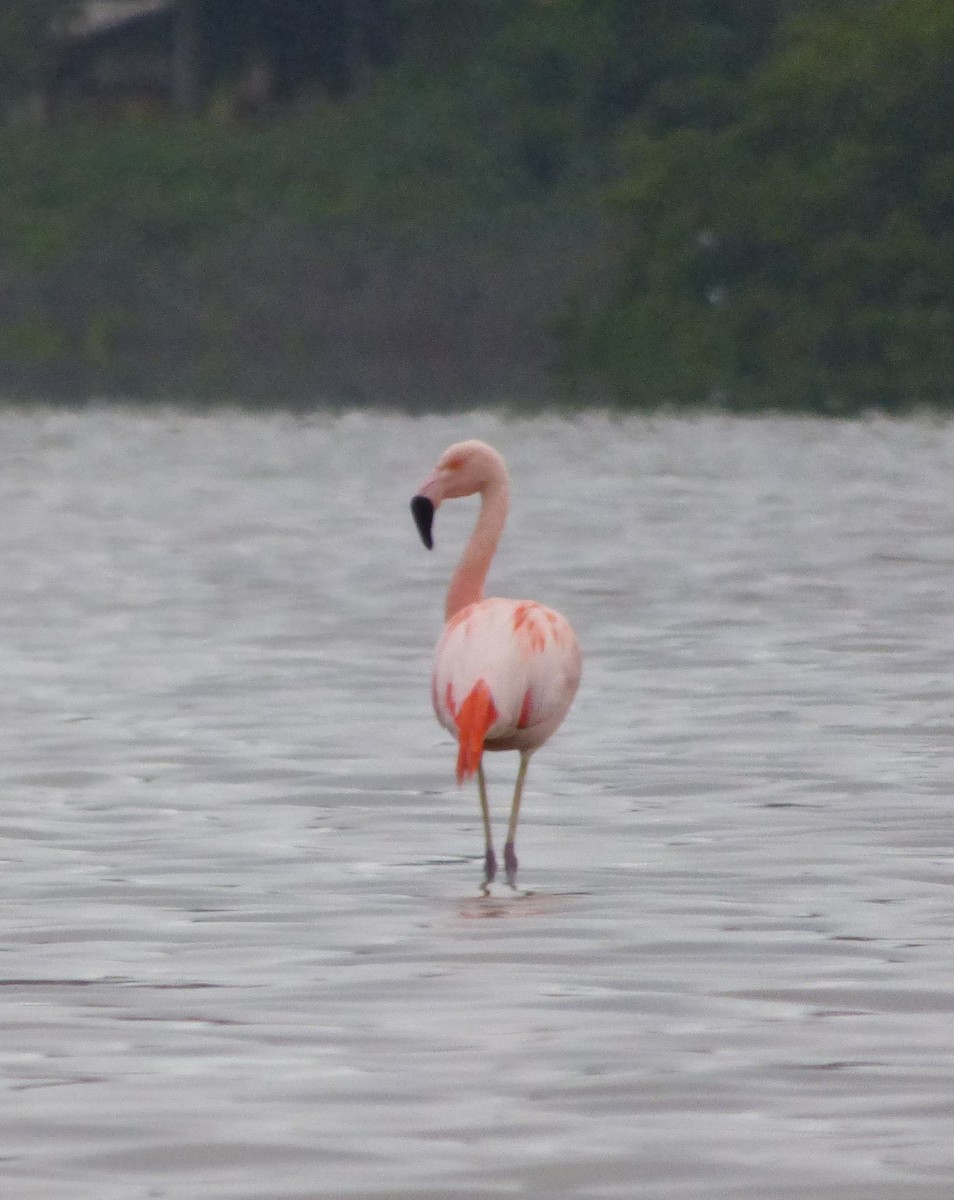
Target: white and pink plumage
(505,671)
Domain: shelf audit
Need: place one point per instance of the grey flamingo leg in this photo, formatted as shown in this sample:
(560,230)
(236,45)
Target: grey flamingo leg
(490,859)
(510,854)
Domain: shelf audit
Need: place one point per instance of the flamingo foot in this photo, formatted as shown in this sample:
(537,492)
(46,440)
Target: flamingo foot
(490,866)
(510,862)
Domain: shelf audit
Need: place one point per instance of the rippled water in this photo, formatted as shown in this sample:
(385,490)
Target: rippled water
(243,950)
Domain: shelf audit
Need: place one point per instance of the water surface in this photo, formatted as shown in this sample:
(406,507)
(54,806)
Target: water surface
(243,949)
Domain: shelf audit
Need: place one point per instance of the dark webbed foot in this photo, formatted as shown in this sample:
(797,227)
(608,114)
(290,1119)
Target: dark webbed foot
(490,866)
(510,863)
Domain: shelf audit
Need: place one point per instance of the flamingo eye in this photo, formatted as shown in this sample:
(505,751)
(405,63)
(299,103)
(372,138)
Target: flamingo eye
(455,463)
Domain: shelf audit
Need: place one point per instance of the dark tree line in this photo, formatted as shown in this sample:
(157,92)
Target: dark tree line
(333,42)
(804,252)
(778,174)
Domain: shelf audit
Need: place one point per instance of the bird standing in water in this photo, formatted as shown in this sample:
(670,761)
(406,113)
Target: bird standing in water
(505,671)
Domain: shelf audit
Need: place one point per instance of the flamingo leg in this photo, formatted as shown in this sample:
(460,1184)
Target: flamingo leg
(510,854)
(490,859)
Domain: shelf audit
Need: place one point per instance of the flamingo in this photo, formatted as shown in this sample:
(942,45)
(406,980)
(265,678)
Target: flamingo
(505,671)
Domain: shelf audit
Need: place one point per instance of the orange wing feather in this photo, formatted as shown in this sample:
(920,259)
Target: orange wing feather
(474,717)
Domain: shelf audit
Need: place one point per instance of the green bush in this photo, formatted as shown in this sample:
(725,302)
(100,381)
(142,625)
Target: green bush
(804,255)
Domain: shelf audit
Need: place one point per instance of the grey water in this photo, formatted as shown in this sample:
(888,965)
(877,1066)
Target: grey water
(244,953)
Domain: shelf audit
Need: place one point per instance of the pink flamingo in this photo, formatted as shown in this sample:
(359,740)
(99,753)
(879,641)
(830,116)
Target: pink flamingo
(505,671)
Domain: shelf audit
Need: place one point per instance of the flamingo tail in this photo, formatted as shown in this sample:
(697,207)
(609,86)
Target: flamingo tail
(474,718)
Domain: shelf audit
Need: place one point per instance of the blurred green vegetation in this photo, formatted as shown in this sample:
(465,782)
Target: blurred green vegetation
(747,203)
(803,254)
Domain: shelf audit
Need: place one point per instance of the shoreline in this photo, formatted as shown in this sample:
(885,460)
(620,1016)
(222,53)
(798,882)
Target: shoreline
(285,315)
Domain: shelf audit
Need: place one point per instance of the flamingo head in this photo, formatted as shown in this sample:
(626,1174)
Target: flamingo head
(462,470)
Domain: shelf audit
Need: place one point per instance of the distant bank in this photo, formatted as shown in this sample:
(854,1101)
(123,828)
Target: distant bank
(297,316)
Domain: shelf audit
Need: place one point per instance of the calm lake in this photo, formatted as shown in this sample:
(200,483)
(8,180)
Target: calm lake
(244,953)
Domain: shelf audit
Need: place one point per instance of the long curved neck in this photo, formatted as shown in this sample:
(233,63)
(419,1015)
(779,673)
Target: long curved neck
(467,582)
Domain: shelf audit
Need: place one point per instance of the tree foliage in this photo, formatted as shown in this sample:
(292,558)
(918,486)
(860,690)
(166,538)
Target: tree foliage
(804,254)
(779,173)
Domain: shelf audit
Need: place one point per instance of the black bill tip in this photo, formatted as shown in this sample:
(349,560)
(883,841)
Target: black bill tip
(423,512)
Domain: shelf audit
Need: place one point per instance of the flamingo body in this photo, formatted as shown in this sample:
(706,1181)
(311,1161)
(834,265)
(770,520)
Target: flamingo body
(527,657)
(505,671)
